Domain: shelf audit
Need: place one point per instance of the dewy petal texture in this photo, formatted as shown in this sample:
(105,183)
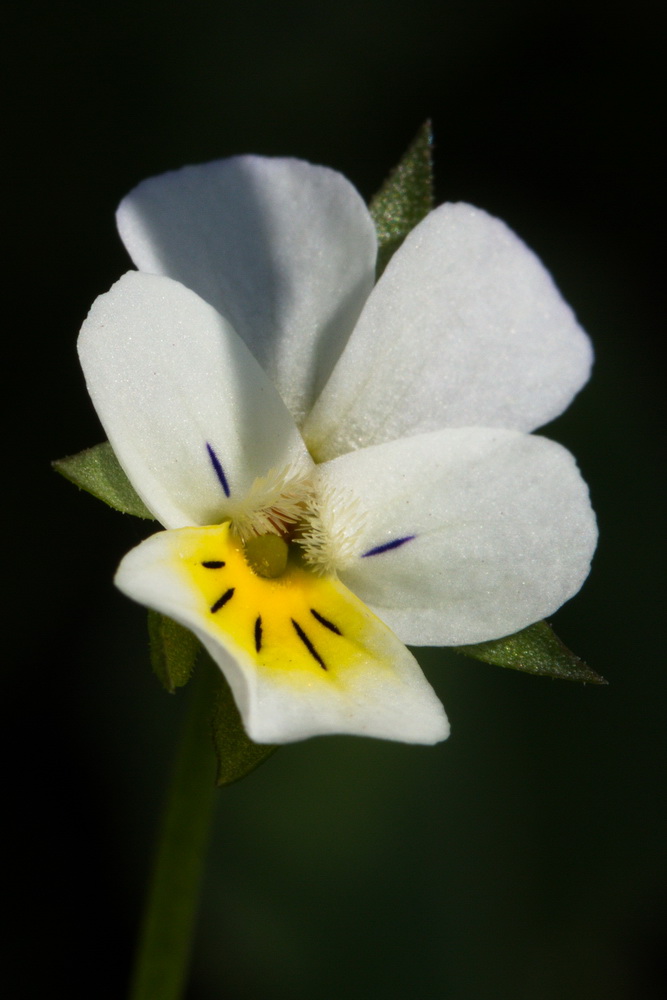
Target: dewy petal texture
(185,405)
(495,529)
(283,249)
(302,654)
(465,328)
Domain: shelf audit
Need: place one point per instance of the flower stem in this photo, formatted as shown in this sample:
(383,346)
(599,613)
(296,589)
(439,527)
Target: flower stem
(167,930)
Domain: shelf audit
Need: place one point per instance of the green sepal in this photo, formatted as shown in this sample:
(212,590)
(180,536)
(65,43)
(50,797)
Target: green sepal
(236,753)
(174,650)
(405,197)
(98,471)
(535,650)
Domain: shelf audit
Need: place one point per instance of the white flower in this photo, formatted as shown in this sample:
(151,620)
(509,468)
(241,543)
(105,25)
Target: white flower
(299,433)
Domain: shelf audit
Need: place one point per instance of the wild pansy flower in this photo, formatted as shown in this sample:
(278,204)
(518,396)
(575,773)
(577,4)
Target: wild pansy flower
(341,468)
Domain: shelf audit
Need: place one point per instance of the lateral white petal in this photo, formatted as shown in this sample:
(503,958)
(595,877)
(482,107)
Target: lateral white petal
(190,414)
(284,689)
(467,534)
(284,249)
(465,328)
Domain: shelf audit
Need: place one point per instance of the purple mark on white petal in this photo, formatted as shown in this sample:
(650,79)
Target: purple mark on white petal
(217,466)
(395,543)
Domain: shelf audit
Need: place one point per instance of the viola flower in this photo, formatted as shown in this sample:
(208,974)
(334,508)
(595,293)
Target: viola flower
(341,468)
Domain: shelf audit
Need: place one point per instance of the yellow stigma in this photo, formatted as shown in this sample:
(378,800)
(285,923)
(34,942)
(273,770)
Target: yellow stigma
(267,555)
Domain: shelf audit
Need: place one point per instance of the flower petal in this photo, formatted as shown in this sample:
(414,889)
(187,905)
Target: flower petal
(465,328)
(468,534)
(192,417)
(285,250)
(302,655)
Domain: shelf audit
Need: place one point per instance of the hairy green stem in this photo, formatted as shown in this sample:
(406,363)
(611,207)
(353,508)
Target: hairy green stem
(167,931)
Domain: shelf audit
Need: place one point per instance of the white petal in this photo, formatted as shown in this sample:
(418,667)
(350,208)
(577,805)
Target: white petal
(465,328)
(178,394)
(492,530)
(285,250)
(294,674)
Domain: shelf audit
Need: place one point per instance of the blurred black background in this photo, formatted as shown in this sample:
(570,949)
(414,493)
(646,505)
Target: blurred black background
(524,859)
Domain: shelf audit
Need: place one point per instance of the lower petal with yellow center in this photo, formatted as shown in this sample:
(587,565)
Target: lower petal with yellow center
(302,654)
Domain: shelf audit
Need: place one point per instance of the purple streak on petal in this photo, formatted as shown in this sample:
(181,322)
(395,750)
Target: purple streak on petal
(219,471)
(395,543)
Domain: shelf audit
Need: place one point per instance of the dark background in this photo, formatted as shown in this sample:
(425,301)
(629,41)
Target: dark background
(523,859)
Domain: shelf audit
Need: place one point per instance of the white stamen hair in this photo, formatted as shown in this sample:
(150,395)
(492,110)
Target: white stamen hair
(330,530)
(273,505)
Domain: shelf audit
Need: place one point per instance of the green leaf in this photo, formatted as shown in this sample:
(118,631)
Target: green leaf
(535,650)
(174,650)
(237,754)
(405,197)
(97,470)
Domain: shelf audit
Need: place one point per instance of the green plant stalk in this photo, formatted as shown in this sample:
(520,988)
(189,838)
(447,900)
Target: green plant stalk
(167,931)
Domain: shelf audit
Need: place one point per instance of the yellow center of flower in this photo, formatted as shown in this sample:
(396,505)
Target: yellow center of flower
(268,608)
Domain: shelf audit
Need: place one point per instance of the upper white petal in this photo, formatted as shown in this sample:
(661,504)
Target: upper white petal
(169,376)
(284,249)
(464,328)
(502,524)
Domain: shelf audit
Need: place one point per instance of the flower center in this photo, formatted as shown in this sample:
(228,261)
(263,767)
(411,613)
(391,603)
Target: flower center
(265,606)
(290,510)
(267,555)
